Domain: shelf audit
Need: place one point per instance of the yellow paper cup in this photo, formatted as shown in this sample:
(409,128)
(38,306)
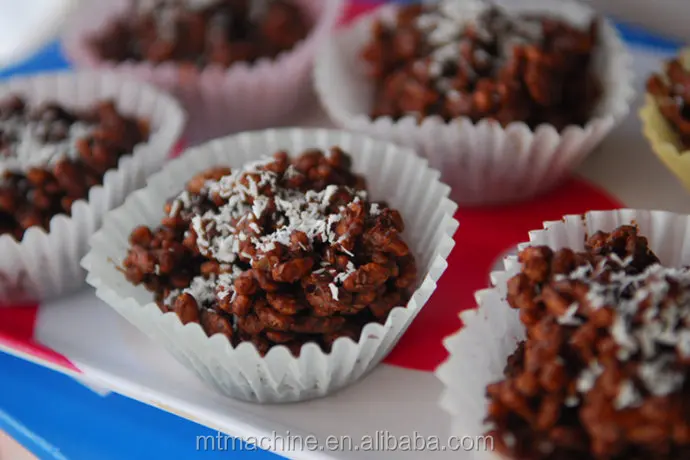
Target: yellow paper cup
(664,140)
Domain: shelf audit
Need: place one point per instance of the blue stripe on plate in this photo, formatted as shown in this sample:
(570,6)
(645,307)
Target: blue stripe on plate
(639,37)
(48,59)
(57,418)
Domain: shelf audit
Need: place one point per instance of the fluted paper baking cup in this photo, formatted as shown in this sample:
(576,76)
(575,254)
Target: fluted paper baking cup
(219,101)
(396,174)
(46,264)
(478,353)
(483,162)
(664,141)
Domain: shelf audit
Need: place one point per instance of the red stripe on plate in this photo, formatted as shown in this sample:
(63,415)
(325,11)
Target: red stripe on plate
(17,326)
(17,323)
(483,236)
(355,8)
(178,149)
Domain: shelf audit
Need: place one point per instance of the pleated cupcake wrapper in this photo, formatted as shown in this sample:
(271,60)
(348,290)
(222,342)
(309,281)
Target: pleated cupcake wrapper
(47,264)
(219,101)
(395,174)
(478,353)
(483,163)
(664,141)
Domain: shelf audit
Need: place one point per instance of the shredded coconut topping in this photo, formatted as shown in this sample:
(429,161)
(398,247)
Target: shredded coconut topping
(25,148)
(252,196)
(444,23)
(205,290)
(202,289)
(651,322)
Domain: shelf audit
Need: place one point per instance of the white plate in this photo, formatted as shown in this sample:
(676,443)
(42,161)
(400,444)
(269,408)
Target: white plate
(391,401)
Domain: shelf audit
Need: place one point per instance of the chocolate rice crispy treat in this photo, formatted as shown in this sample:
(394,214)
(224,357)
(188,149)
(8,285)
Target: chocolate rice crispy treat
(200,33)
(471,59)
(280,252)
(671,90)
(50,156)
(603,373)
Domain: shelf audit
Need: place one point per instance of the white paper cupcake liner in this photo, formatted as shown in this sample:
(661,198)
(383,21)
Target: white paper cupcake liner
(483,163)
(47,264)
(393,173)
(219,101)
(479,351)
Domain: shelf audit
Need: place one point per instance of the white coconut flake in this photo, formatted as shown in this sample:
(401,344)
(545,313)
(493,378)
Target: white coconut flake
(328,194)
(342,276)
(170,299)
(481,56)
(620,333)
(571,401)
(259,206)
(465,11)
(291,172)
(580,273)
(569,318)
(628,396)
(334,291)
(175,208)
(426,21)
(225,283)
(202,289)
(588,377)
(435,69)
(444,33)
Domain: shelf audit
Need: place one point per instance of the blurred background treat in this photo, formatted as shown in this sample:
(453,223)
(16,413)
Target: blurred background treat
(27,25)
(233,64)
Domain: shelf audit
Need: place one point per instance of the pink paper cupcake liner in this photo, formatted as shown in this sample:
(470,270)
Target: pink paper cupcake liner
(219,101)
